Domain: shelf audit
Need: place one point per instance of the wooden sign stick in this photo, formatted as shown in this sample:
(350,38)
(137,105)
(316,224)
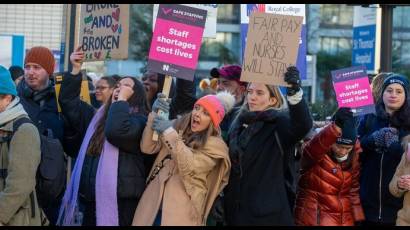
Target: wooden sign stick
(165,91)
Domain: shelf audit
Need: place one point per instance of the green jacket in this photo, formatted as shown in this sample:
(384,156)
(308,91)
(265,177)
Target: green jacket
(21,162)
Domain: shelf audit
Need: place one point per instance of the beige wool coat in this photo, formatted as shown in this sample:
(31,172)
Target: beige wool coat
(186,187)
(21,162)
(403,215)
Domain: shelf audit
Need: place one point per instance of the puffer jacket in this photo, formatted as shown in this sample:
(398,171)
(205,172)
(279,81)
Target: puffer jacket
(328,191)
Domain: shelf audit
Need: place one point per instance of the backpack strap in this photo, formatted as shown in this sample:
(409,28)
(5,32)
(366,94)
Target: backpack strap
(16,124)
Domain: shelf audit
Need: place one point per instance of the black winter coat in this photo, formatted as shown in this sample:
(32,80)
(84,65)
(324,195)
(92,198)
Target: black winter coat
(256,193)
(41,107)
(377,170)
(123,130)
(42,110)
(184,99)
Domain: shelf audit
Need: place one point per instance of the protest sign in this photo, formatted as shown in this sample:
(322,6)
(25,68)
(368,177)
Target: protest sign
(103,32)
(285,9)
(210,24)
(271,47)
(352,90)
(176,40)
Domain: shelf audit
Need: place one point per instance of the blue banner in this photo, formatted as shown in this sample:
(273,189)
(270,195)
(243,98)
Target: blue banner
(364,46)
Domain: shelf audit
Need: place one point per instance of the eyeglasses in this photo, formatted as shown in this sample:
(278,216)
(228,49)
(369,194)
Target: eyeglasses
(101,88)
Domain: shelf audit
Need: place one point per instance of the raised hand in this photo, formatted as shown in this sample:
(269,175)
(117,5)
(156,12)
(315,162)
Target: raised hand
(343,114)
(292,77)
(76,59)
(161,103)
(159,124)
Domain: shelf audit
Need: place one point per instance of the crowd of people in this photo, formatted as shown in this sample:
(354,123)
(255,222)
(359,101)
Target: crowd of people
(225,157)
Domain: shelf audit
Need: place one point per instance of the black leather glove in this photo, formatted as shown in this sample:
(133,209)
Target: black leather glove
(292,77)
(343,114)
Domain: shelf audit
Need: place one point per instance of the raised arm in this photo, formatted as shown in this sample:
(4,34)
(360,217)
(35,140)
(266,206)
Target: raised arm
(123,129)
(316,148)
(184,98)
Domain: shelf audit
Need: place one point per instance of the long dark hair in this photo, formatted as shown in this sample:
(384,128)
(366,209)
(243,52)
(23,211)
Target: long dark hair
(138,104)
(400,118)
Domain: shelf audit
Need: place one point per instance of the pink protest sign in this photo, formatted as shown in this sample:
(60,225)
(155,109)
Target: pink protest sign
(352,90)
(176,40)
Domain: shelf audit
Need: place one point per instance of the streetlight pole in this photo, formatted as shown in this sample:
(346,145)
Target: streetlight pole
(386,38)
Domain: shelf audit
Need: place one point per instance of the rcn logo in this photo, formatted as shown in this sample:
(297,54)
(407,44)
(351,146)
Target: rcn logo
(254,7)
(165,67)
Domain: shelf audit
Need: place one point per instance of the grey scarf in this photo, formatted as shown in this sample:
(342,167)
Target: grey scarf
(13,110)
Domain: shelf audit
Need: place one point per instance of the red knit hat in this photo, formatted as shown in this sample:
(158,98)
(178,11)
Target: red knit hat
(42,56)
(217,105)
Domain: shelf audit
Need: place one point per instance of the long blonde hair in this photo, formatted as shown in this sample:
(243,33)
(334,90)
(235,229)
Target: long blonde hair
(194,140)
(275,92)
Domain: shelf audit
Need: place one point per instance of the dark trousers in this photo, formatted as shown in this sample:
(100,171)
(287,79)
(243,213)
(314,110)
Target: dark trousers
(371,223)
(52,211)
(88,210)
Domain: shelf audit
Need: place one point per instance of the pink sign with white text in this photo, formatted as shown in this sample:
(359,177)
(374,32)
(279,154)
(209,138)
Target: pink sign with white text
(176,40)
(176,43)
(354,93)
(352,89)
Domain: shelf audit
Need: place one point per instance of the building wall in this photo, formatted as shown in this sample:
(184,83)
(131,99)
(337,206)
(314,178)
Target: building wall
(329,28)
(40,23)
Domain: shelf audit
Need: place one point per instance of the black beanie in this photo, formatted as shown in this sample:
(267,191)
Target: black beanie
(399,79)
(16,72)
(349,133)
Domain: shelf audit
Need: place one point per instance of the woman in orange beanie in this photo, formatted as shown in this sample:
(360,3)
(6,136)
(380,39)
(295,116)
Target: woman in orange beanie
(192,166)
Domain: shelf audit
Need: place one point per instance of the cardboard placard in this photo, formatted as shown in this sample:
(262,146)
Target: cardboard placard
(353,90)
(210,24)
(103,31)
(271,47)
(285,9)
(176,40)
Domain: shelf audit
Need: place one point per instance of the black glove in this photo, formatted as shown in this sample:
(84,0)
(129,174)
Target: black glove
(293,79)
(342,114)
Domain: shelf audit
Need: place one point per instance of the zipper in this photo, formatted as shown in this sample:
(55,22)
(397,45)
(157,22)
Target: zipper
(318,216)
(340,202)
(380,187)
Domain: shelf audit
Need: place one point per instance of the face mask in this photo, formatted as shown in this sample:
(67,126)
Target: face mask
(341,159)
